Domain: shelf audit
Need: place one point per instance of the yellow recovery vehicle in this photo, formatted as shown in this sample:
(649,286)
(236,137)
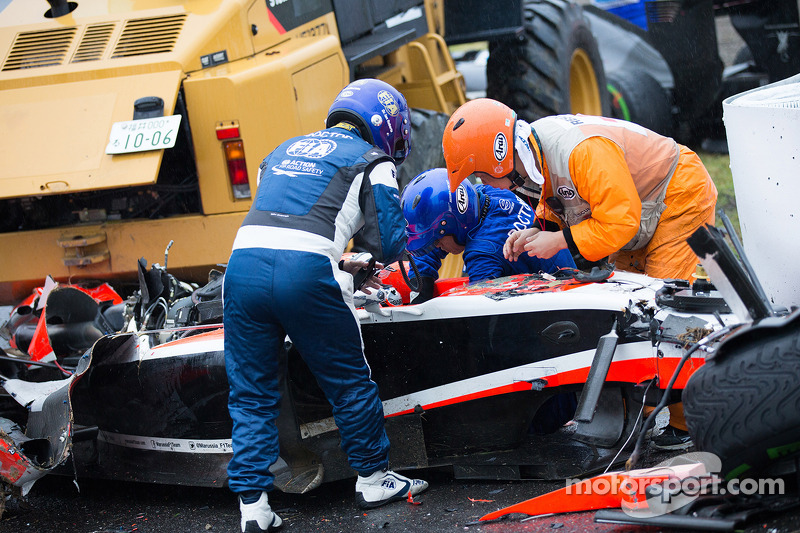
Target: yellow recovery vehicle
(127,124)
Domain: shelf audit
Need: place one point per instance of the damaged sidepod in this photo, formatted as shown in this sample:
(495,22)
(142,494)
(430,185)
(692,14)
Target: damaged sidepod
(484,379)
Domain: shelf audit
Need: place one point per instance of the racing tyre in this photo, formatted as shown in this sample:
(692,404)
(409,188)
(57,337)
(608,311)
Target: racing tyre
(744,405)
(553,67)
(637,97)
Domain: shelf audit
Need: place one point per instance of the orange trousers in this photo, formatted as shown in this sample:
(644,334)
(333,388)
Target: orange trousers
(690,201)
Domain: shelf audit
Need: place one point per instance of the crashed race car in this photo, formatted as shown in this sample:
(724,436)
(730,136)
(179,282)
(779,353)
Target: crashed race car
(524,377)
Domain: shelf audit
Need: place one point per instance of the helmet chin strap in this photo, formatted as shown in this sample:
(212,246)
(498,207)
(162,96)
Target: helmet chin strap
(516,179)
(522,132)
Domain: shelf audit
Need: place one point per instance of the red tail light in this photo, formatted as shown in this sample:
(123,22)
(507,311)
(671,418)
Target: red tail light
(237,168)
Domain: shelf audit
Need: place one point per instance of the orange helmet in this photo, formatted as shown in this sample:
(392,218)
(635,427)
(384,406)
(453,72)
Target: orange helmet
(479,137)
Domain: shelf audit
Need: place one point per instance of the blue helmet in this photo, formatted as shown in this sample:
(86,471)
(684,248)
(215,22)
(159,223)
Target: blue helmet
(432,211)
(379,111)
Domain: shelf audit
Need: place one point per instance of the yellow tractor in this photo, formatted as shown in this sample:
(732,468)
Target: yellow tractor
(130,124)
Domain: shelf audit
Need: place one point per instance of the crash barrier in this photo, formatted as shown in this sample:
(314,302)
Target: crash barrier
(764,146)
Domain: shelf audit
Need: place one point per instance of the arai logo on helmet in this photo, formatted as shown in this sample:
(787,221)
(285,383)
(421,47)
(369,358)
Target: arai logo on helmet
(388,102)
(346,94)
(461,199)
(500,147)
(311,148)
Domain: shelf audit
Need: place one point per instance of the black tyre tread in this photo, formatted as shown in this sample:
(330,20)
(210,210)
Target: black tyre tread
(743,55)
(531,74)
(647,102)
(747,402)
(427,128)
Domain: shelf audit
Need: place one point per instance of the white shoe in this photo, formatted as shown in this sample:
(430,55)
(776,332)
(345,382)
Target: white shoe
(385,486)
(258,517)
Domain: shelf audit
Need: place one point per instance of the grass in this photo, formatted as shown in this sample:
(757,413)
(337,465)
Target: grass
(718,166)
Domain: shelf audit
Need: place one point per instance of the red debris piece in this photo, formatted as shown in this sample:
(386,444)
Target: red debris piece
(411,500)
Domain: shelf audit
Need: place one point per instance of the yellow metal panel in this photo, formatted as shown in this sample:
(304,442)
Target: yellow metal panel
(315,92)
(260,95)
(200,244)
(266,33)
(54,137)
(19,14)
(232,34)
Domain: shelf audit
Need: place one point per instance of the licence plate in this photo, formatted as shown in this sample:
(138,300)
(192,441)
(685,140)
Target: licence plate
(144,134)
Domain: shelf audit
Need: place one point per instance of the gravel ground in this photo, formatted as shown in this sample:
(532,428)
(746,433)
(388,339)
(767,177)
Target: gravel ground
(55,504)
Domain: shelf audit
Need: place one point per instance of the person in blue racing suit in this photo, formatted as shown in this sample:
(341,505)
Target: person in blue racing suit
(475,220)
(285,278)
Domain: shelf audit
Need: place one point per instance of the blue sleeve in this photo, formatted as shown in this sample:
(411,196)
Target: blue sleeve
(430,263)
(484,259)
(483,256)
(384,225)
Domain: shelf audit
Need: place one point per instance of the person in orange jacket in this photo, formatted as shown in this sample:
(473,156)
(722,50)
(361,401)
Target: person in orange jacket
(612,191)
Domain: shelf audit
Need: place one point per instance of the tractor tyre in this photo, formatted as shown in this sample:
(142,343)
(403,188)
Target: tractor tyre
(743,55)
(637,97)
(427,128)
(553,67)
(744,405)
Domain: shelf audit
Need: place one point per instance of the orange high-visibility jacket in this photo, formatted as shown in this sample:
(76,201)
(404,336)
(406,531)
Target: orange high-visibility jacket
(616,183)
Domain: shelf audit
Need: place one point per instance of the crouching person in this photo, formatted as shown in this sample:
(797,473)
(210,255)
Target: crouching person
(475,220)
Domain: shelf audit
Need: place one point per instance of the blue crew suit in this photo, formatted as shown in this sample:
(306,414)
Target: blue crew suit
(315,192)
(503,213)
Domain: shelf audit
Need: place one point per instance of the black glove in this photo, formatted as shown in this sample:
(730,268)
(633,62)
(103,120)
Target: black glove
(594,270)
(598,273)
(584,264)
(425,290)
(363,274)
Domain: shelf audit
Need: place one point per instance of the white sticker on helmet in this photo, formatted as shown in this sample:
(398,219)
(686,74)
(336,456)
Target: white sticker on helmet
(389,103)
(462,201)
(500,146)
